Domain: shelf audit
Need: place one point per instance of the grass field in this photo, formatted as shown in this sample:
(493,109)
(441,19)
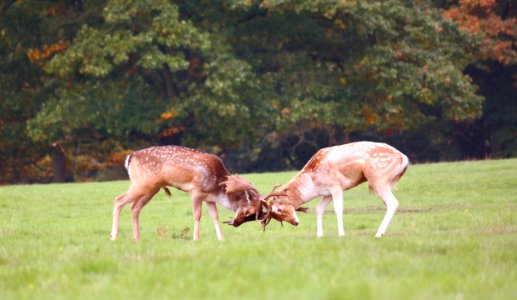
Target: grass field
(454,237)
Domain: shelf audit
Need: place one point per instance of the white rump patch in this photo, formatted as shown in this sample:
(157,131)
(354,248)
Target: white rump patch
(126,164)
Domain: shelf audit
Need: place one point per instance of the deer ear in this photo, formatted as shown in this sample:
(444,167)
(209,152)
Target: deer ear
(235,183)
(302,209)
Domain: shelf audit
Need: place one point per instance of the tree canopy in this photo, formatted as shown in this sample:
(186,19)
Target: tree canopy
(262,83)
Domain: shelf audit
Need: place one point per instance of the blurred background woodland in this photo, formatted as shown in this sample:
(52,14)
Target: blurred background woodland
(262,84)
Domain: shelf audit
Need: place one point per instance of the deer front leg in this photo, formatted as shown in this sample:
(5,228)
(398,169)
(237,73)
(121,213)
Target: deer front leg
(320,209)
(337,197)
(196,209)
(212,209)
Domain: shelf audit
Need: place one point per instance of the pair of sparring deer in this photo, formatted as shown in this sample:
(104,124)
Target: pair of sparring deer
(328,173)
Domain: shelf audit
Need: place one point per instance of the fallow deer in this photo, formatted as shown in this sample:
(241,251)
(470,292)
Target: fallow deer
(200,174)
(336,169)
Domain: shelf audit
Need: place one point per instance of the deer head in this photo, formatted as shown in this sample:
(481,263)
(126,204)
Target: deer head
(245,194)
(280,208)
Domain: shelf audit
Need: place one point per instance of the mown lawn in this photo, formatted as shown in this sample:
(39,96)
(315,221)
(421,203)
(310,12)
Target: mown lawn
(454,237)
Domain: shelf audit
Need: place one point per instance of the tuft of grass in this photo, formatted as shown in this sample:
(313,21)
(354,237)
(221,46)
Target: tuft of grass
(454,237)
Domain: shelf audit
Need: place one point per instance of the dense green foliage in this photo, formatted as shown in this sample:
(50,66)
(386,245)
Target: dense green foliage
(262,83)
(454,236)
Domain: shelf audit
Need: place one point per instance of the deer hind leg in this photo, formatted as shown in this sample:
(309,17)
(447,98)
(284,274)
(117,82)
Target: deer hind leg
(120,202)
(320,209)
(135,213)
(212,209)
(391,207)
(337,197)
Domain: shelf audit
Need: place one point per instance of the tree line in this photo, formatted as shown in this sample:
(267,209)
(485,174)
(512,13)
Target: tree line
(263,84)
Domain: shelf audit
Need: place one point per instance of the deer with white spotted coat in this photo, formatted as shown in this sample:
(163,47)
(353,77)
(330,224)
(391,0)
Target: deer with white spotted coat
(336,169)
(200,174)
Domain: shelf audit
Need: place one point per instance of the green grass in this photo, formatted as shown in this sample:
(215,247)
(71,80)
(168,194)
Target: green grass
(454,237)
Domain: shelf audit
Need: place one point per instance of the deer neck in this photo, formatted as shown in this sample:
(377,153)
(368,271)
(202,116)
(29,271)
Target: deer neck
(223,199)
(301,189)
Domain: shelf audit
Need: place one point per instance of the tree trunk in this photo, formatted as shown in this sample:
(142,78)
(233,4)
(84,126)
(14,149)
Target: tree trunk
(167,83)
(58,163)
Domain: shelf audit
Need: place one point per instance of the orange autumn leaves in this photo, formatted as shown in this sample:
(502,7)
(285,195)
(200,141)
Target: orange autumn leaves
(487,17)
(171,130)
(37,56)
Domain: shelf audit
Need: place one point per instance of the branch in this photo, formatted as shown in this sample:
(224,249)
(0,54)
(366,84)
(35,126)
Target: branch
(6,5)
(166,75)
(506,10)
(252,15)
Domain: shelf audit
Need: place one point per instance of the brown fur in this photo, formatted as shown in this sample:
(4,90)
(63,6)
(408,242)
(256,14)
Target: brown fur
(200,174)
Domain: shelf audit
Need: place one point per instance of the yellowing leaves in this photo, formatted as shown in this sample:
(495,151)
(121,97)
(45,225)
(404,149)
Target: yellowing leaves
(169,115)
(171,131)
(479,16)
(54,10)
(370,117)
(39,55)
(286,111)
(166,116)
(339,23)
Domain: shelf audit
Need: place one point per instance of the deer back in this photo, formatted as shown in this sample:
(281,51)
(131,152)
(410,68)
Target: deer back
(180,167)
(354,163)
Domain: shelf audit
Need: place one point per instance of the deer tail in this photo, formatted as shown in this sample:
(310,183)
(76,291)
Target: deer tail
(403,167)
(127,162)
(167,191)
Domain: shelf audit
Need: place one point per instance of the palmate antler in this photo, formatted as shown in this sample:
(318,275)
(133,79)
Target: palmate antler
(235,184)
(267,218)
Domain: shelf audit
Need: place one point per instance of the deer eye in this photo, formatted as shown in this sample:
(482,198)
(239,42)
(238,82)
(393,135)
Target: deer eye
(279,210)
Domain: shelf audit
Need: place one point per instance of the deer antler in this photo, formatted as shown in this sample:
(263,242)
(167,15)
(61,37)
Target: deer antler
(235,183)
(247,196)
(267,218)
(273,193)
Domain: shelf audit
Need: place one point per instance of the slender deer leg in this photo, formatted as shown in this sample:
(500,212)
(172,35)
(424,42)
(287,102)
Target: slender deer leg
(212,209)
(320,209)
(337,197)
(196,209)
(391,207)
(135,211)
(120,202)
